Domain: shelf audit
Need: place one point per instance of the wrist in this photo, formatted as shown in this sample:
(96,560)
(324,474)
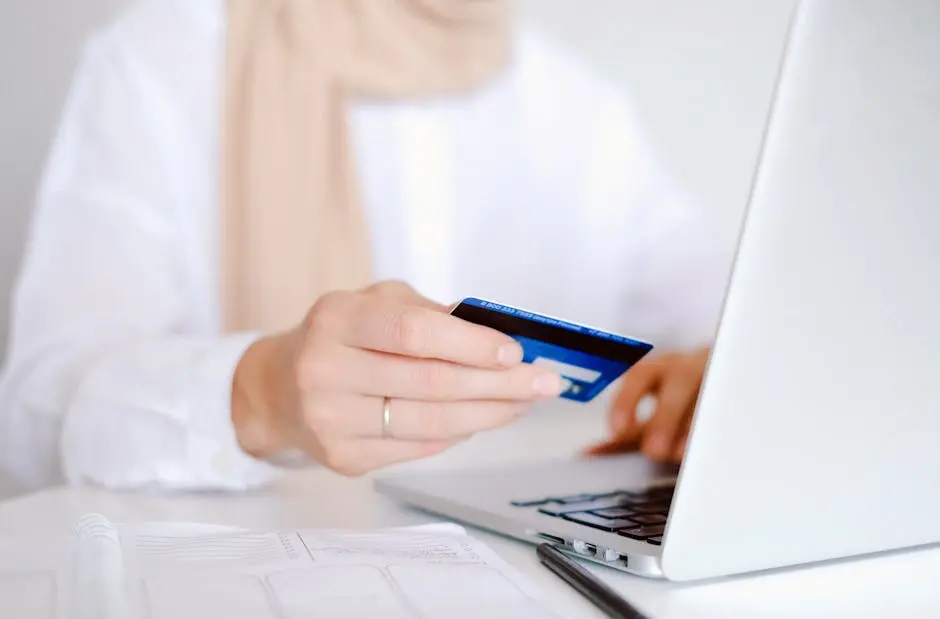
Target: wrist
(255,384)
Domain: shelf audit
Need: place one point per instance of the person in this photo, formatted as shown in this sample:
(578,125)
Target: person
(214,283)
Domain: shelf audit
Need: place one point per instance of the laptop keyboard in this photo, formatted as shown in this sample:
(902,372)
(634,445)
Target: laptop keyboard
(638,515)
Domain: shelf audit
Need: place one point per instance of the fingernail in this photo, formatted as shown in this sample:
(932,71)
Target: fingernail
(509,354)
(547,384)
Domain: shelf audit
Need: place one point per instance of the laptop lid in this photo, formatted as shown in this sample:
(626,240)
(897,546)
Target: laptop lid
(817,434)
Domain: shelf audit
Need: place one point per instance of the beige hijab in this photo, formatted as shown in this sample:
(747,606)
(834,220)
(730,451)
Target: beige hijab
(292,223)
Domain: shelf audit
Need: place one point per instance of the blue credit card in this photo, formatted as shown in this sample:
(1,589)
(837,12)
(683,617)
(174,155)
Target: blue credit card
(588,359)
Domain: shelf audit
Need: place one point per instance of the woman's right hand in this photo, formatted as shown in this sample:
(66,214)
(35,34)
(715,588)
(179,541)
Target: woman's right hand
(321,388)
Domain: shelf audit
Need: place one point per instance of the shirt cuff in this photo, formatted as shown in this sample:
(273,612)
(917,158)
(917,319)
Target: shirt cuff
(213,447)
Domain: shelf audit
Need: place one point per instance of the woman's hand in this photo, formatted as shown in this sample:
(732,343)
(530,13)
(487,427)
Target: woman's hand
(673,380)
(321,387)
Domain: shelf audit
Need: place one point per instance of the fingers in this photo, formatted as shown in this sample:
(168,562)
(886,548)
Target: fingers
(641,380)
(379,374)
(673,381)
(413,420)
(346,434)
(674,408)
(410,330)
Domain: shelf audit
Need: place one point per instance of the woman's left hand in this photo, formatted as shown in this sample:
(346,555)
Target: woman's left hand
(673,380)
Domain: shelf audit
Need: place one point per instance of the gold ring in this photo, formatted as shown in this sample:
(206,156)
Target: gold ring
(387,418)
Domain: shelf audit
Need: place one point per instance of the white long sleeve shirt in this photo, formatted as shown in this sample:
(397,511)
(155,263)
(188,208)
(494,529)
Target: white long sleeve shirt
(537,191)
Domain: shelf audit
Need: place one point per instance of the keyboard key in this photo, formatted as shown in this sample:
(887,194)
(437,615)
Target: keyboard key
(658,540)
(532,503)
(662,493)
(656,495)
(554,509)
(646,500)
(633,494)
(651,508)
(557,509)
(648,518)
(599,522)
(644,532)
(557,506)
(578,498)
(623,493)
(616,512)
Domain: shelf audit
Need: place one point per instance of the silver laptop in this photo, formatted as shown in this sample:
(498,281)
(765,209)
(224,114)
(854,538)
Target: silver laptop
(817,433)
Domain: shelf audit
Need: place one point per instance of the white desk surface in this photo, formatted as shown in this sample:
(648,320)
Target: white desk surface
(903,585)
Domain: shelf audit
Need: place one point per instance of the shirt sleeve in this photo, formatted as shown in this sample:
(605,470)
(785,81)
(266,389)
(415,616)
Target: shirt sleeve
(110,377)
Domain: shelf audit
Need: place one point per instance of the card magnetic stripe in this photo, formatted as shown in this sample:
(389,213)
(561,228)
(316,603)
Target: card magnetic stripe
(566,335)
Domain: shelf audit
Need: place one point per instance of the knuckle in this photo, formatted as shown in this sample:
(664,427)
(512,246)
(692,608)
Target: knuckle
(331,457)
(516,383)
(437,379)
(511,413)
(433,421)
(338,459)
(496,416)
(352,470)
(682,384)
(390,287)
(508,414)
(671,421)
(409,331)
(321,420)
(327,314)
(695,371)
(313,370)
(432,448)
(638,375)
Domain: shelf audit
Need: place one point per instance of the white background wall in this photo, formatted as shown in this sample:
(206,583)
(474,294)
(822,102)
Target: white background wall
(38,44)
(39,41)
(700,73)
